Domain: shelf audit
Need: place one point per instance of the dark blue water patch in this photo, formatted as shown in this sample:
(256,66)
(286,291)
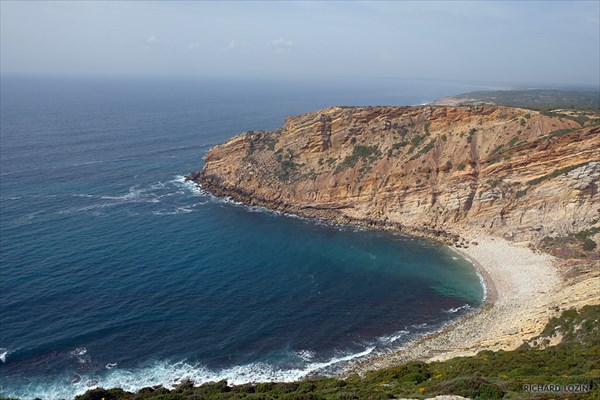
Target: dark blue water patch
(116,272)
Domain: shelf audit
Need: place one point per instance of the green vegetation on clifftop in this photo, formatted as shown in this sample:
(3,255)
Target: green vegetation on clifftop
(537,99)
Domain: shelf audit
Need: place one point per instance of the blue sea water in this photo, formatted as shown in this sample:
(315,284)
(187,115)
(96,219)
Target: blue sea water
(115,272)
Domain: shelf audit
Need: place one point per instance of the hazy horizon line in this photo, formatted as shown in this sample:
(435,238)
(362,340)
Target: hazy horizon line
(476,84)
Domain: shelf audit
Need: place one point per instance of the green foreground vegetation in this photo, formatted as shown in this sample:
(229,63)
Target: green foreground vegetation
(488,375)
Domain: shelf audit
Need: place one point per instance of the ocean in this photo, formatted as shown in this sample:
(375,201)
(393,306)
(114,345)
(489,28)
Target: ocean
(115,272)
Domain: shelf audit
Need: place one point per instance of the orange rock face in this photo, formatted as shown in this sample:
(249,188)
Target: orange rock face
(424,170)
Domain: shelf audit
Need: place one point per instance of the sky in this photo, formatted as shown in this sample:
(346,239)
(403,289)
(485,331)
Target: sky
(528,42)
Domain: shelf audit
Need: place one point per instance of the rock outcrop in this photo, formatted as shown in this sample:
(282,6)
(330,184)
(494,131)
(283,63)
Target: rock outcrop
(423,170)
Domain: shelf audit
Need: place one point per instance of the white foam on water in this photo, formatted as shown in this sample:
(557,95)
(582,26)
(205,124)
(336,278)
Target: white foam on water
(392,338)
(306,355)
(80,354)
(170,374)
(3,354)
(26,219)
(480,276)
(199,190)
(457,309)
(152,193)
(483,284)
(134,194)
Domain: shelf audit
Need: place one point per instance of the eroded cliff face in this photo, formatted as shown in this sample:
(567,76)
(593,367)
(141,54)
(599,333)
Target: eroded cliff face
(425,170)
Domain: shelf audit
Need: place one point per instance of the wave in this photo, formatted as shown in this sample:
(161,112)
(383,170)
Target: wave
(305,355)
(457,309)
(482,282)
(135,194)
(392,338)
(178,210)
(197,189)
(152,193)
(30,196)
(480,276)
(4,354)
(170,374)
(79,164)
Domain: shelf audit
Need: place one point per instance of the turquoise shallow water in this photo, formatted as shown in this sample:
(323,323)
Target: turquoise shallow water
(117,273)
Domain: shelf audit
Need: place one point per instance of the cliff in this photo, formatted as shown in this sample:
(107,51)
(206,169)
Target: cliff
(430,170)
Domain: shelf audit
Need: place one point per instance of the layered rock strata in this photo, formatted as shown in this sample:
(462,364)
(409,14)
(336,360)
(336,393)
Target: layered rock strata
(431,171)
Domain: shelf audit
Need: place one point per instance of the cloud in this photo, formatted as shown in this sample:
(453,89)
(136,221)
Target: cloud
(150,42)
(282,45)
(153,41)
(230,46)
(193,46)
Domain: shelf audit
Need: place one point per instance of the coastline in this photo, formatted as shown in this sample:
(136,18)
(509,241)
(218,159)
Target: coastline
(525,289)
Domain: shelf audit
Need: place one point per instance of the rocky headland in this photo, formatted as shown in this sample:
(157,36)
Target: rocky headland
(497,183)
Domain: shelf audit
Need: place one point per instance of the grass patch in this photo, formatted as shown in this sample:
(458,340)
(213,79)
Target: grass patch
(415,142)
(424,150)
(513,141)
(559,133)
(588,232)
(366,154)
(395,146)
(574,246)
(580,119)
(287,170)
(497,149)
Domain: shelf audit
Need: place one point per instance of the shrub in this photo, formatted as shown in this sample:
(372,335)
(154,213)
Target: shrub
(473,387)
(367,154)
(288,168)
(498,149)
(106,394)
(588,232)
(271,144)
(589,244)
(415,142)
(424,150)
(472,133)
(521,193)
